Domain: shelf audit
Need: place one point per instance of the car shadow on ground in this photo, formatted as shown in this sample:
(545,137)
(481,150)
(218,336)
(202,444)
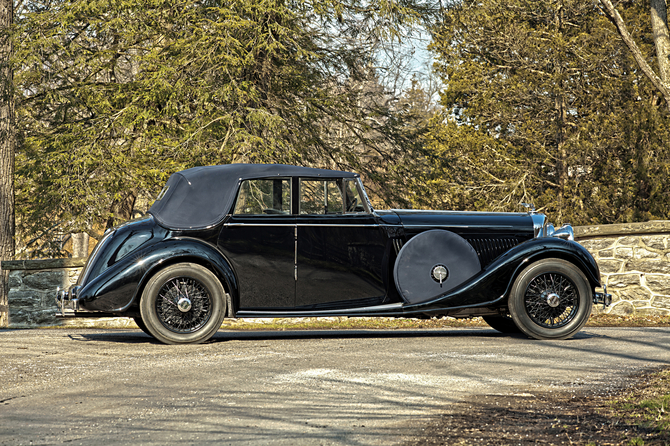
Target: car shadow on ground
(138,337)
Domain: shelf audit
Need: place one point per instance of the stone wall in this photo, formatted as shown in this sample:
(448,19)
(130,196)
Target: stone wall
(32,292)
(634,261)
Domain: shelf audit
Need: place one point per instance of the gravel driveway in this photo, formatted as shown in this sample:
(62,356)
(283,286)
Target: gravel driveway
(280,387)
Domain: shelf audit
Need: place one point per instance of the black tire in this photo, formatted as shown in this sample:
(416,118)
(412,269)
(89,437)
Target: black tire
(140,323)
(551,299)
(183,304)
(504,324)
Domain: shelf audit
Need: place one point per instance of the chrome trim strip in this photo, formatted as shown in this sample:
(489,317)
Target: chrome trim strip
(363,193)
(305,225)
(352,225)
(241,313)
(439,212)
(260,224)
(457,226)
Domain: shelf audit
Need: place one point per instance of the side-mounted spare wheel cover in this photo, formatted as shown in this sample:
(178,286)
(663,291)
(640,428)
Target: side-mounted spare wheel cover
(432,263)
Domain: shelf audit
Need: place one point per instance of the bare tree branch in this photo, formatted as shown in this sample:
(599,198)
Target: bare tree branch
(616,19)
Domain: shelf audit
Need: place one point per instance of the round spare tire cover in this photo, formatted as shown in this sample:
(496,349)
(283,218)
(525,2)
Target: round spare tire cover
(433,263)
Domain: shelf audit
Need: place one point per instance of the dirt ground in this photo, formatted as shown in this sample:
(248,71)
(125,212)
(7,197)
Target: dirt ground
(331,387)
(587,418)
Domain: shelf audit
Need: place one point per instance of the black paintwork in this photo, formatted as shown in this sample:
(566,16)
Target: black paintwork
(344,262)
(262,255)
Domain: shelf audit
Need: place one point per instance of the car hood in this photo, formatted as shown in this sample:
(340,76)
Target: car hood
(462,222)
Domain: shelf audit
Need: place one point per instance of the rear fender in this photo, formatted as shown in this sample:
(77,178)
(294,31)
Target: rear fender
(121,286)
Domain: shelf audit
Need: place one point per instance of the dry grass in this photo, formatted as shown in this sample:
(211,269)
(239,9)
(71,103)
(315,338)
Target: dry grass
(636,415)
(647,407)
(366,323)
(607,320)
(350,323)
(363,323)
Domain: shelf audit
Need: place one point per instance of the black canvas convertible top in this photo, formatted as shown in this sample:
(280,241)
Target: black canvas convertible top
(202,196)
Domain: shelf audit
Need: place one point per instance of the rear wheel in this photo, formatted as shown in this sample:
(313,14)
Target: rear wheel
(504,324)
(183,304)
(551,299)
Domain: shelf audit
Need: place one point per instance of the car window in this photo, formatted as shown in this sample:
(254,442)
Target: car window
(320,197)
(338,196)
(264,197)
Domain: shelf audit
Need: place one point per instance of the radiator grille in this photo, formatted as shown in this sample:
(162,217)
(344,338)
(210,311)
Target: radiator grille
(488,249)
(397,245)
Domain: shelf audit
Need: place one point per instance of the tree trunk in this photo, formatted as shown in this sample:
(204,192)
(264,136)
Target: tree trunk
(80,244)
(659,25)
(561,123)
(7,141)
(561,154)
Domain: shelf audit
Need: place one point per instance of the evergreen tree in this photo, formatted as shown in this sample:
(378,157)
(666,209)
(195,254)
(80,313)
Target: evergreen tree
(115,96)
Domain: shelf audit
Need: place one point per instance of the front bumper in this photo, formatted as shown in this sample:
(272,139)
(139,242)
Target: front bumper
(67,303)
(602,298)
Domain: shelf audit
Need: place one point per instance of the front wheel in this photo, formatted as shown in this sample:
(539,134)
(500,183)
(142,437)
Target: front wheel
(183,304)
(551,299)
(140,323)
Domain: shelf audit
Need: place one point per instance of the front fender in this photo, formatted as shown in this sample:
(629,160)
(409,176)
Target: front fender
(493,284)
(547,247)
(120,287)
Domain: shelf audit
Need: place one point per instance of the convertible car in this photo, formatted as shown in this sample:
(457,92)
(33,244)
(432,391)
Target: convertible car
(246,240)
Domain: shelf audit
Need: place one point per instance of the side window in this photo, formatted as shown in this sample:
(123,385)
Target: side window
(321,197)
(263,197)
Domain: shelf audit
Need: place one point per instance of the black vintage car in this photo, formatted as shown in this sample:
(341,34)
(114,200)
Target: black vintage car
(246,240)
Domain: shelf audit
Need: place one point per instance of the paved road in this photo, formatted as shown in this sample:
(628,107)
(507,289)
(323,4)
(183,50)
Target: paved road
(276,388)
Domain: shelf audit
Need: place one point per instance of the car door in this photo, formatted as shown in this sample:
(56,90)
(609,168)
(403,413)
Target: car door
(259,240)
(340,247)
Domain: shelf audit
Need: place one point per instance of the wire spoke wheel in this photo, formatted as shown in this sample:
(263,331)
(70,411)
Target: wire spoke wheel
(183,305)
(551,300)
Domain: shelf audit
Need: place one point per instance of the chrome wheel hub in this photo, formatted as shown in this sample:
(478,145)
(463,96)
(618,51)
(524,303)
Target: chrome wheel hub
(184,305)
(553,299)
(439,273)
